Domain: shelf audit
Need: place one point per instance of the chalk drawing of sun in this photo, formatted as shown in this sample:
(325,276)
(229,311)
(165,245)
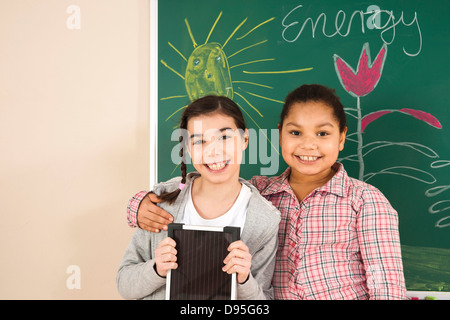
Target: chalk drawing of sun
(208,71)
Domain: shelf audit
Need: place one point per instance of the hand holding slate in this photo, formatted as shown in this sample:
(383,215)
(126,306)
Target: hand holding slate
(239,260)
(165,257)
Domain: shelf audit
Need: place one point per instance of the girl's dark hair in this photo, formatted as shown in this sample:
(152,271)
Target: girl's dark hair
(316,93)
(202,106)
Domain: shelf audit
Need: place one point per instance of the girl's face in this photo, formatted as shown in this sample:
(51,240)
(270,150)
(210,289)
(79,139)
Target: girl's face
(310,140)
(215,145)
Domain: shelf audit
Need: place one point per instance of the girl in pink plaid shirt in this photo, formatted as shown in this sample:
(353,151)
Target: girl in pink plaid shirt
(338,236)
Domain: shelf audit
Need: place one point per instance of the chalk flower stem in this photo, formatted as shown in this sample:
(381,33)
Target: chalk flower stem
(360,83)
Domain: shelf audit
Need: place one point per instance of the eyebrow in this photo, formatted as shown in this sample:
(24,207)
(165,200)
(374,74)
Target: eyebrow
(201,134)
(325,124)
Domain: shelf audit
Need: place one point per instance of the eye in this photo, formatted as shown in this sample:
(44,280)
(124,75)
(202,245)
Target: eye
(224,137)
(295,133)
(323,134)
(196,62)
(198,142)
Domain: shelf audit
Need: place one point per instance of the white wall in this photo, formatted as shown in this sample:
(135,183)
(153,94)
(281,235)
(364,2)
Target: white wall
(74,142)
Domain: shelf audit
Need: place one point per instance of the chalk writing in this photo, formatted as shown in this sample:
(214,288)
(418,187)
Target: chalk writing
(293,26)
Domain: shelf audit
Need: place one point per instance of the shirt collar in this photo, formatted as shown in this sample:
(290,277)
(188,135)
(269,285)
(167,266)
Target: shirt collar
(278,184)
(336,185)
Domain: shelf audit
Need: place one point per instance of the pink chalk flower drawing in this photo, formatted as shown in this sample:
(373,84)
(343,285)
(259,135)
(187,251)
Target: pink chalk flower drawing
(360,83)
(367,75)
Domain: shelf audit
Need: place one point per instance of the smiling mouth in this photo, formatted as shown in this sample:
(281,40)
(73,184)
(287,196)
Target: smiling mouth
(216,166)
(308,158)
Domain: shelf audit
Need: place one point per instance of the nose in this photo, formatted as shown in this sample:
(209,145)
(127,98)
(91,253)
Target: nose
(308,142)
(213,148)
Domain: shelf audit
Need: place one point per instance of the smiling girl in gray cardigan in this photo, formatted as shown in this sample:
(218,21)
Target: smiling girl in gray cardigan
(213,194)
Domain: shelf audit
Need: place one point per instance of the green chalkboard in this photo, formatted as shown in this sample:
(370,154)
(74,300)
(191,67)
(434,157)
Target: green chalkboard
(397,102)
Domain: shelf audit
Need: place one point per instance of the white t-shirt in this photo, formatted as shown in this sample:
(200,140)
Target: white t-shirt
(235,217)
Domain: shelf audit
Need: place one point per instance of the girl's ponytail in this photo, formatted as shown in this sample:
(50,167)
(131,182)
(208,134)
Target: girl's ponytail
(170,197)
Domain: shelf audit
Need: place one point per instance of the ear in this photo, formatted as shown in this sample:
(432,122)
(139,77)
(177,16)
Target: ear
(279,132)
(342,139)
(246,139)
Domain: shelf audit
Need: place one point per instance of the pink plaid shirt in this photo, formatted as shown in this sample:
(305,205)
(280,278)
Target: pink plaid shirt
(340,242)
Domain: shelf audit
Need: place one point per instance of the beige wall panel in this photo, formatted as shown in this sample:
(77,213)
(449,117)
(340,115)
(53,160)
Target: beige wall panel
(74,141)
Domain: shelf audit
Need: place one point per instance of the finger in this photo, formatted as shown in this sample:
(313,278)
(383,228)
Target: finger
(237,245)
(161,213)
(147,204)
(236,262)
(149,217)
(153,197)
(150,225)
(238,253)
(168,241)
(163,268)
(166,257)
(169,265)
(238,249)
(241,272)
(145,222)
(166,266)
(166,253)
(241,268)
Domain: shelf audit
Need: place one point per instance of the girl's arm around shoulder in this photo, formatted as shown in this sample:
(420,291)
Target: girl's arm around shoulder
(134,204)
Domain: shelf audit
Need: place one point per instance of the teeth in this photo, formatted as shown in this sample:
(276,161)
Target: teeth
(308,158)
(216,166)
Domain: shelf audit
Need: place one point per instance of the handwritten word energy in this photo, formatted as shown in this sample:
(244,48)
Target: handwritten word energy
(293,27)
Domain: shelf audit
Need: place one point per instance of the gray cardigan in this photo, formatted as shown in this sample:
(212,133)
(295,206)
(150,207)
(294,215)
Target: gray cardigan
(137,278)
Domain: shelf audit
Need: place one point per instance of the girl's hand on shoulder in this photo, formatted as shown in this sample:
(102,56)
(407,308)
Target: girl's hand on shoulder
(239,261)
(165,256)
(151,217)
